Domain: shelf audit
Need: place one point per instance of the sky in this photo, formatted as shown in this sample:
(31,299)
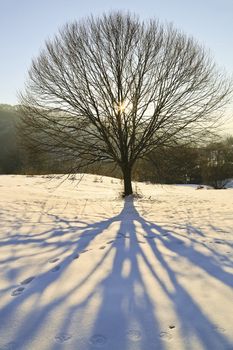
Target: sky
(26,24)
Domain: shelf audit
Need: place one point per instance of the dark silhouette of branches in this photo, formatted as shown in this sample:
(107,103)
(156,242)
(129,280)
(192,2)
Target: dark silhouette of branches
(114,88)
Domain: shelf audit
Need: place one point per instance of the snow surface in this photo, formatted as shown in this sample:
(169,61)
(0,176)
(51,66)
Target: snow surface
(82,269)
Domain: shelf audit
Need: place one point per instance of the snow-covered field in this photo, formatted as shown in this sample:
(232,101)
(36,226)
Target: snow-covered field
(82,269)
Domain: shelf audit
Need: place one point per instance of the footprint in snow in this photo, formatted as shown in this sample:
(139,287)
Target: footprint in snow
(56,268)
(219,329)
(62,337)
(102,247)
(222,258)
(98,340)
(28,280)
(9,346)
(84,251)
(218,242)
(134,335)
(120,235)
(171,326)
(165,335)
(177,241)
(110,242)
(17,291)
(76,256)
(53,260)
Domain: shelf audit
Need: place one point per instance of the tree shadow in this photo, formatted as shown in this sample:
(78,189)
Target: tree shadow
(133,295)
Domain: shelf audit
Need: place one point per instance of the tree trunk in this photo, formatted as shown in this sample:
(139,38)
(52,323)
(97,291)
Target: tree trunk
(127,181)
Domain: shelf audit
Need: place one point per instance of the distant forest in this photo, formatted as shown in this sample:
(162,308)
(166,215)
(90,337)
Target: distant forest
(210,164)
(10,157)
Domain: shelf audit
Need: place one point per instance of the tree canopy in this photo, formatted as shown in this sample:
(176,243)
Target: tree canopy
(113,88)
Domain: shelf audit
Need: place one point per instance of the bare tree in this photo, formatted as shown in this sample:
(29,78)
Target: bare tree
(114,88)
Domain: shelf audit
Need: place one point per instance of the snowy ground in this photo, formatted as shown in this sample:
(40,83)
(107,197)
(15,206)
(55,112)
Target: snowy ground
(81,269)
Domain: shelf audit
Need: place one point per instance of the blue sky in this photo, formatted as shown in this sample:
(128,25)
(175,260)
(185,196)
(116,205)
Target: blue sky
(26,24)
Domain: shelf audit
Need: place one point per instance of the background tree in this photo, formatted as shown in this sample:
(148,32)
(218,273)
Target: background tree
(178,164)
(10,161)
(216,162)
(114,88)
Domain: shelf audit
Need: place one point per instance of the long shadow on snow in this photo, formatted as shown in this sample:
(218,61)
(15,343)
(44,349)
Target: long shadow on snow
(127,314)
(121,307)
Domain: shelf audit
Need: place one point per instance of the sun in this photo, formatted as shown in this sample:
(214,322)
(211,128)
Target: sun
(120,106)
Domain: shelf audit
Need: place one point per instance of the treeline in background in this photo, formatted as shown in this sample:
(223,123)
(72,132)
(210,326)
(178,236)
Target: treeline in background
(210,164)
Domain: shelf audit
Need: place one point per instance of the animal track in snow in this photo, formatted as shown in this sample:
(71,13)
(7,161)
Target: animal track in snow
(102,247)
(98,340)
(134,335)
(17,291)
(28,280)
(62,337)
(53,260)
